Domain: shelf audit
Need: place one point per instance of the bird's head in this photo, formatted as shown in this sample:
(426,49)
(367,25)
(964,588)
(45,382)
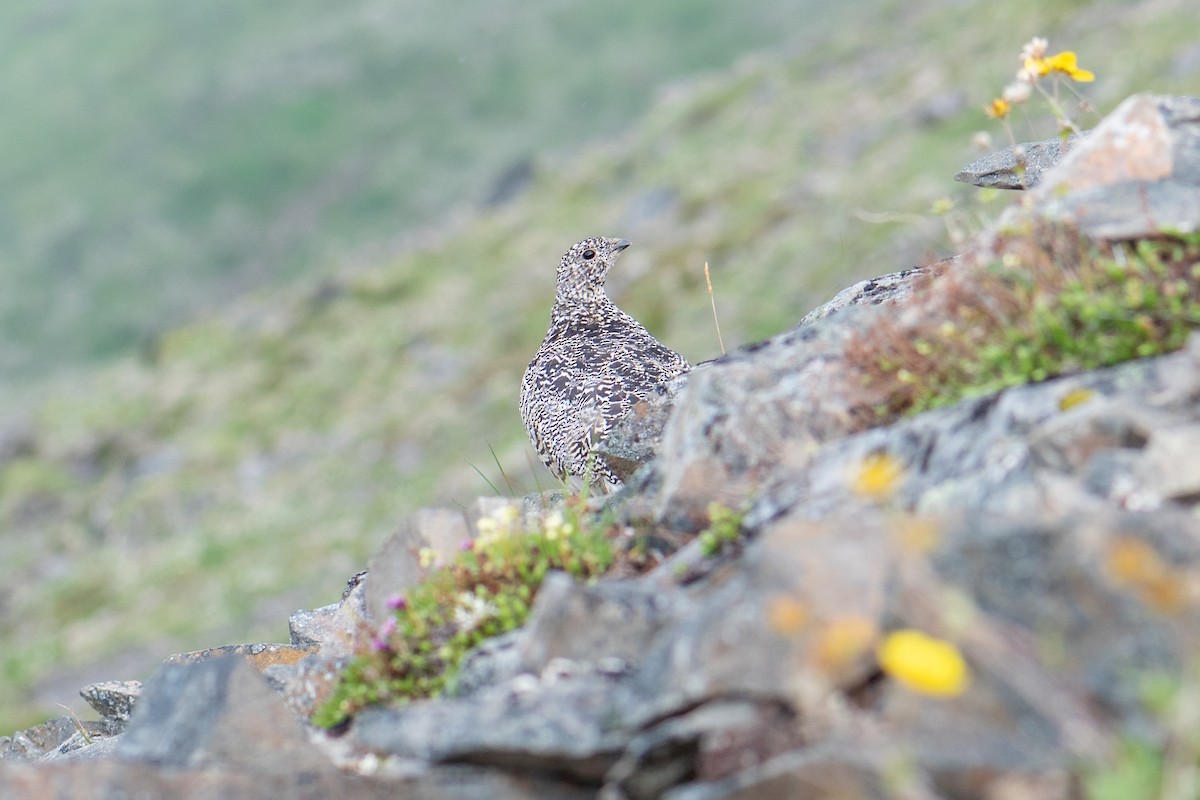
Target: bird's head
(585,266)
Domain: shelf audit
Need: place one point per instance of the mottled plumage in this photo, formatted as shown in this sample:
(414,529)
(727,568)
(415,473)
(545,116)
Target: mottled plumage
(594,364)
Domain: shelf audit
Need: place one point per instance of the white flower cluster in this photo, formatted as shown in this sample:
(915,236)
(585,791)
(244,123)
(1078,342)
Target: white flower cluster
(497,525)
(556,526)
(470,610)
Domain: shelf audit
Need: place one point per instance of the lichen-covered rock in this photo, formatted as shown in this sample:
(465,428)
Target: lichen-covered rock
(114,701)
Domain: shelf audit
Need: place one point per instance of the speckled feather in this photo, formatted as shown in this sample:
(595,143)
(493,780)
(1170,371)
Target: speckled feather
(594,364)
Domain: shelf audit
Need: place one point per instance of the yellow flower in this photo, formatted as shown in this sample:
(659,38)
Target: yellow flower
(924,664)
(878,476)
(1065,62)
(998,108)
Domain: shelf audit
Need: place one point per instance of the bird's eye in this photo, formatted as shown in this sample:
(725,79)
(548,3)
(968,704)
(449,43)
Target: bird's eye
(589,254)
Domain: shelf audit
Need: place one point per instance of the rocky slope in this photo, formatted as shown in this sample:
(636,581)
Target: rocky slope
(1044,534)
(242,459)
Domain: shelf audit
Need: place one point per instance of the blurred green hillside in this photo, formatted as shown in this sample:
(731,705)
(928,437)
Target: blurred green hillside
(246,464)
(160,156)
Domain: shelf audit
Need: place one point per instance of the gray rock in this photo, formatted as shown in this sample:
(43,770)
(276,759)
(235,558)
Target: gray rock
(331,629)
(495,661)
(565,727)
(217,712)
(711,743)
(1018,452)
(1018,166)
(611,621)
(89,744)
(112,780)
(823,771)
(114,701)
(395,567)
(260,656)
(637,438)
(734,423)
(875,291)
(1136,174)
(33,743)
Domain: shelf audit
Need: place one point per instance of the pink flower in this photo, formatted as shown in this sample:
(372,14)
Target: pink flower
(380,641)
(396,602)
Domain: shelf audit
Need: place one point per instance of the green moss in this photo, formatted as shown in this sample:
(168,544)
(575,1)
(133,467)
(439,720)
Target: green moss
(485,591)
(1058,306)
(724,528)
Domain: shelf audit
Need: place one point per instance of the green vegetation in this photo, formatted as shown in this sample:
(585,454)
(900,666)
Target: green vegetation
(485,591)
(724,528)
(1163,766)
(243,465)
(1052,304)
(161,157)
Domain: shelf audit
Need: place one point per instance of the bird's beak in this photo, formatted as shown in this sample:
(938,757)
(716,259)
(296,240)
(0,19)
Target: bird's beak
(620,245)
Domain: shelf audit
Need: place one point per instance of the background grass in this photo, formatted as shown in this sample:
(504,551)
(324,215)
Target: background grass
(158,156)
(244,463)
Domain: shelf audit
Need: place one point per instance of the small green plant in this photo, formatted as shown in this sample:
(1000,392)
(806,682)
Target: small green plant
(1158,764)
(1136,771)
(500,468)
(724,528)
(486,590)
(1051,304)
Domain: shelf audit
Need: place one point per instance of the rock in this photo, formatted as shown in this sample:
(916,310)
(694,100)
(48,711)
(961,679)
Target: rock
(1016,167)
(827,771)
(218,711)
(874,291)
(323,639)
(495,661)
(106,780)
(577,716)
(396,566)
(555,726)
(1136,174)
(34,743)
(784,422)
(636,440)
(711,743)
(1017,452)
(259,656)
(615,621)
(114,701)
(734,423)
(332,629)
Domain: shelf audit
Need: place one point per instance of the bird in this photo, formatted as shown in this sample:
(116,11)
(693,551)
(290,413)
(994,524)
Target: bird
(595,363)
